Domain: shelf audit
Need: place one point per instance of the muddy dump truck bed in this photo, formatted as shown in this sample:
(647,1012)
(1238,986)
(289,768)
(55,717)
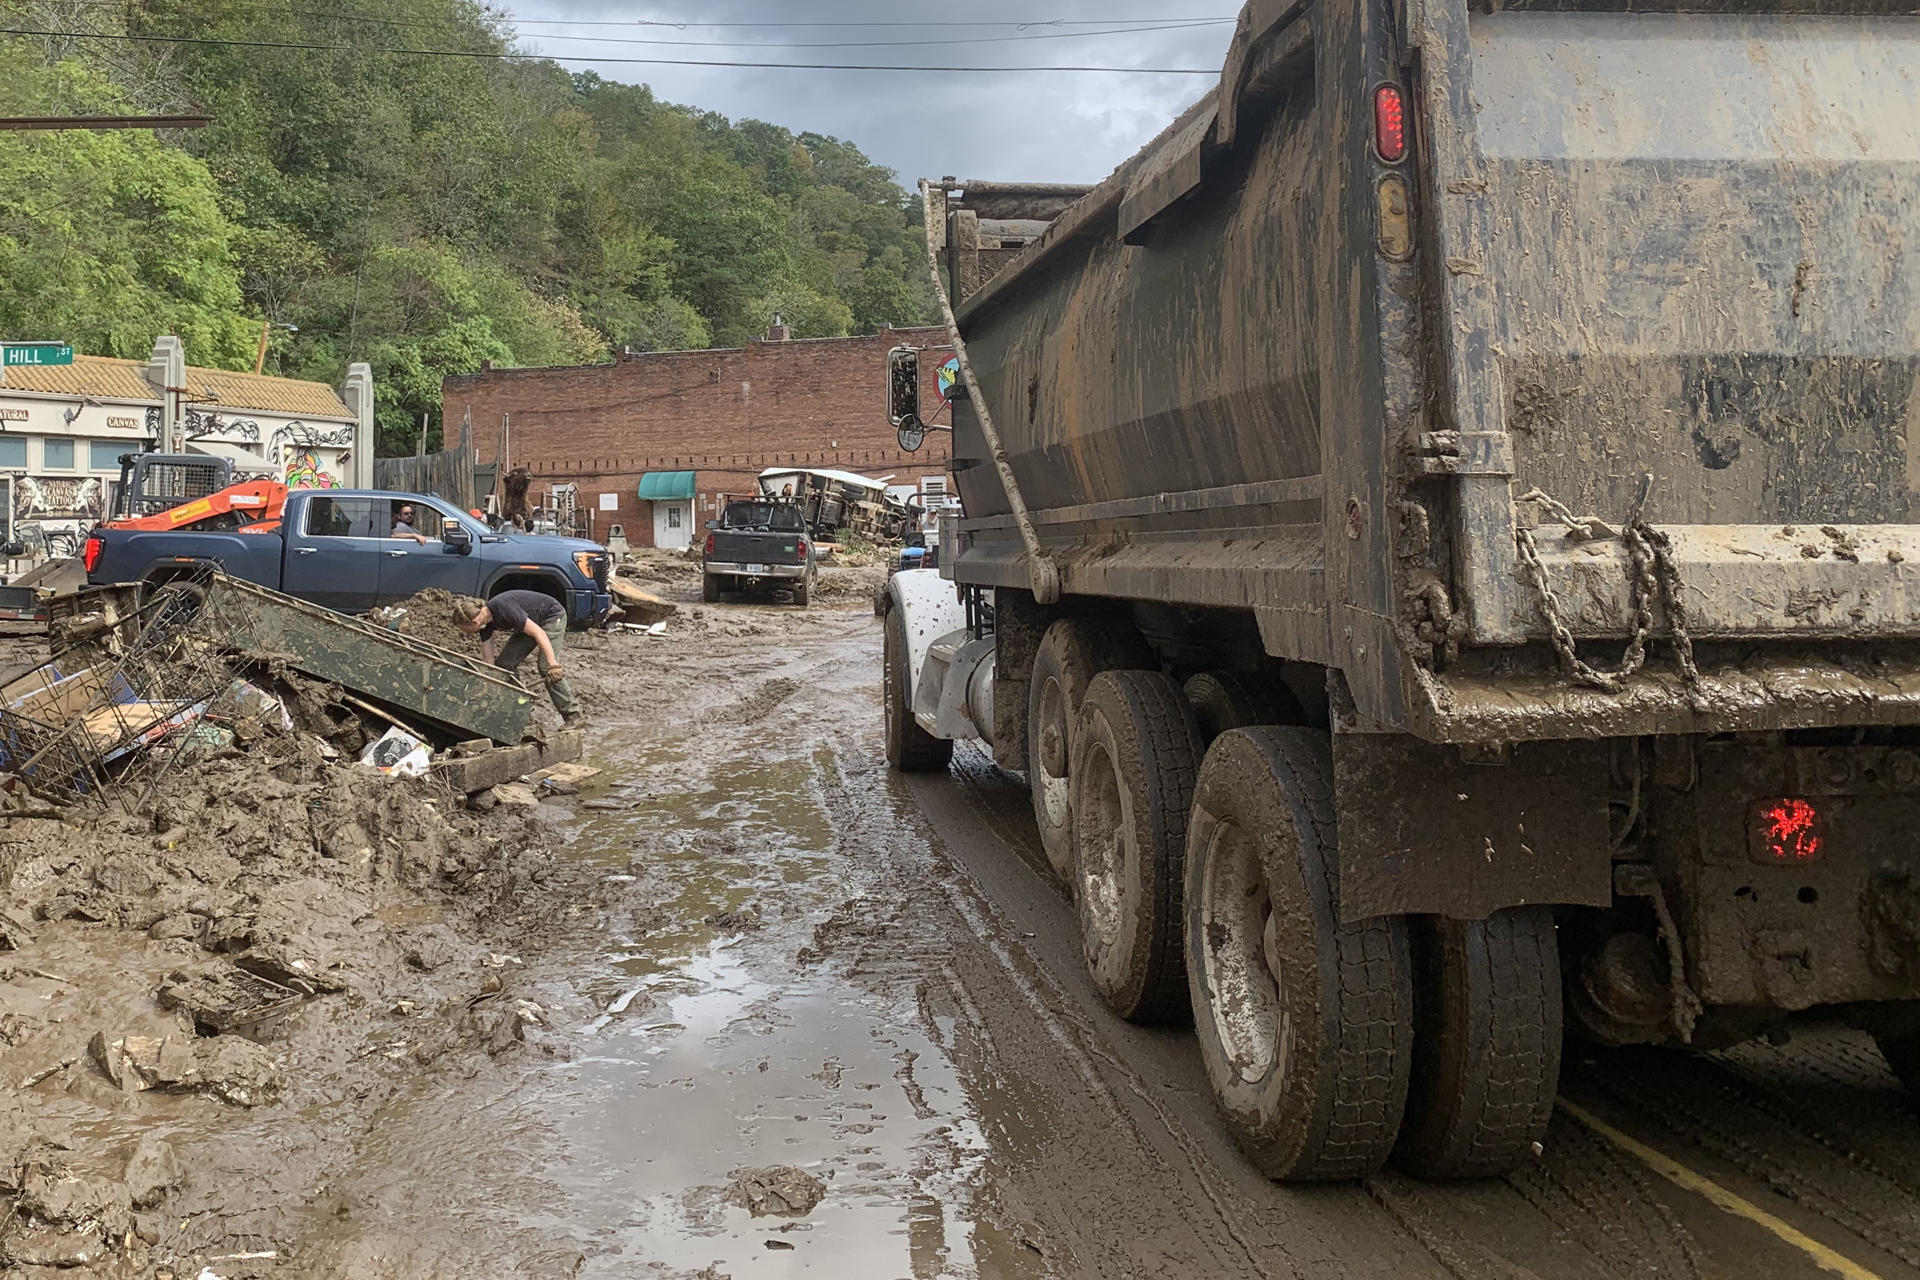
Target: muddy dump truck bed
(1352,348)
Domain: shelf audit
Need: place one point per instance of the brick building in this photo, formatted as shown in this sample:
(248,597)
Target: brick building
(725,415)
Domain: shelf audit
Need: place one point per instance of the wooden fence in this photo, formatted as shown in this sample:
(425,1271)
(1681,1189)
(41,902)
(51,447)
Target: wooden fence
(447,474)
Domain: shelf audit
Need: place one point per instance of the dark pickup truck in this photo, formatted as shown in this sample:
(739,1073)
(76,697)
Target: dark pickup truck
(758,544)
(335,547)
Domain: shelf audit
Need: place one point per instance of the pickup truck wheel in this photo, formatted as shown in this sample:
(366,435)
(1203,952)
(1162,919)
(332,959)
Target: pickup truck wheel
(173,604)
(1138,750)
(1070,655)
(1305,1024)
(910,748)
(803,592)
(710,589)
(1486,1059)
(1225,700)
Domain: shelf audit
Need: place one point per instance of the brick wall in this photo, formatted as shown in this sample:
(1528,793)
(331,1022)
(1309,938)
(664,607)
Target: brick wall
(725,414)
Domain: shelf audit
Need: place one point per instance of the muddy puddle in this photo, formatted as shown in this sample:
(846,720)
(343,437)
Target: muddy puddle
(742,1029)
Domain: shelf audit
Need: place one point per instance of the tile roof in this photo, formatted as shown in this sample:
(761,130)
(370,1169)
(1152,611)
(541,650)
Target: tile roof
(271,395)
(107,378)
(98,376)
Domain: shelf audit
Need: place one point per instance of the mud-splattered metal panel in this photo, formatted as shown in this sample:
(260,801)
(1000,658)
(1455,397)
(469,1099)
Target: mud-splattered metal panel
(1706,259)
(437,684)
(1119,372)
(1422,832)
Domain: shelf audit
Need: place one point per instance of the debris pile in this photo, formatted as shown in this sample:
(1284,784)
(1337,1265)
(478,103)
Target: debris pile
(427,615)
(197,871)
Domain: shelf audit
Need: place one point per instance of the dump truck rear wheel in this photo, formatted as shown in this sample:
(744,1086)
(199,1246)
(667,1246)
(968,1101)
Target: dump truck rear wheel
(1138,751)
(710,589)
(1071,654)
(910,748)
(1305,1024)
(1224,700)
(1486,1060)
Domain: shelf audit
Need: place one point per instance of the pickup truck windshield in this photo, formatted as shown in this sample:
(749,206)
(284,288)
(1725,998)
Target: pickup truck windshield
(775,517)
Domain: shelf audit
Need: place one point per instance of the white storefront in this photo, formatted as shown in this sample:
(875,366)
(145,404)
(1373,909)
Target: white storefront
(64,428)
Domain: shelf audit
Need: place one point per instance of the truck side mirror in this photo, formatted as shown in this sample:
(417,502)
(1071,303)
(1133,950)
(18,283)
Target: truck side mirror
(903,389)
(457,537)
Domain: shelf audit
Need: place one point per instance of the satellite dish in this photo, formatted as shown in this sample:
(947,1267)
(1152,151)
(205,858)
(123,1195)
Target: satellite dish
(912,434)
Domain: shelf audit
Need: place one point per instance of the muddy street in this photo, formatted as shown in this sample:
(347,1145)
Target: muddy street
(749,1004)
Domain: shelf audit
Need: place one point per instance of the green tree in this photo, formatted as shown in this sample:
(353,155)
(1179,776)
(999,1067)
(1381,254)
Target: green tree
(107,239)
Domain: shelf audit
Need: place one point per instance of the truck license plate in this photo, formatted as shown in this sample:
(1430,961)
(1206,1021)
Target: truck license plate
(756,568)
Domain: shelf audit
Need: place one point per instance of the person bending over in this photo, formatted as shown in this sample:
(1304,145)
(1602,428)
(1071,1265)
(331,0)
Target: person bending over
(534,623)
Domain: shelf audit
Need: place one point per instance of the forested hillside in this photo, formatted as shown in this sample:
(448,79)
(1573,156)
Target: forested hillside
(422,213)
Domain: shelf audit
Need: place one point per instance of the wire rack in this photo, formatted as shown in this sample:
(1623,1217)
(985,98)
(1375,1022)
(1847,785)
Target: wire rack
(149,689)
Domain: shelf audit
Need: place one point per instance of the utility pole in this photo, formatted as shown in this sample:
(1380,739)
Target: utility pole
(46,123)
(266,327)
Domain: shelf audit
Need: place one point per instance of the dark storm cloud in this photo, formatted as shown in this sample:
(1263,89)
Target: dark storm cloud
(1031,125)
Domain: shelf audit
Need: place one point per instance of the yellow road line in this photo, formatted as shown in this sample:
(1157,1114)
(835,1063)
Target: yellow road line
(1681,1176)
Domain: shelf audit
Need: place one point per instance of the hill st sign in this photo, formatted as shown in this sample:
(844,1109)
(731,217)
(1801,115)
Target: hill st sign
(35,353)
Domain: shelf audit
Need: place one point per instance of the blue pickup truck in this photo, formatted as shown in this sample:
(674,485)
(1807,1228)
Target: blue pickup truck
(335,547)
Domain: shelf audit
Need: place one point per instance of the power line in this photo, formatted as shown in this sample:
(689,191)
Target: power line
(1141,26)
(1019,24)
(493,56)
(867,44)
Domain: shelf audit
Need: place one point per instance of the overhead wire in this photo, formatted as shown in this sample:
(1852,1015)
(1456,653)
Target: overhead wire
(502,56)
(1019,24)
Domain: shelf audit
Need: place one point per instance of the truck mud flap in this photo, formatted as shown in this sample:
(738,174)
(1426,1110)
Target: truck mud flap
(1424,832)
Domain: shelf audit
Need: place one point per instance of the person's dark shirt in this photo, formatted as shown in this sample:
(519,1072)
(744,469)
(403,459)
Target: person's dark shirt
(510,612)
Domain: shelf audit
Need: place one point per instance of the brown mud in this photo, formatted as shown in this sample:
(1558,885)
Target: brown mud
(747,1004)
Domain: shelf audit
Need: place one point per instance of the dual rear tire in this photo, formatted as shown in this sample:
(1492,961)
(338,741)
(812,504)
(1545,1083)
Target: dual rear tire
(1334,1044)
(1206,880)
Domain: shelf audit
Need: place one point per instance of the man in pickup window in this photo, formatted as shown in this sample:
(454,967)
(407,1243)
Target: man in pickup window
(534,623)
(403,525)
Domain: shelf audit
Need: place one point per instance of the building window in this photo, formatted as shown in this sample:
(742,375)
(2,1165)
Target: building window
(57,455)
(104,455)
(13,451)
(673,517)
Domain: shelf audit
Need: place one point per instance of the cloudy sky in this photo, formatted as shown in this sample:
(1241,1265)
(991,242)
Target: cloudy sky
(1017,125)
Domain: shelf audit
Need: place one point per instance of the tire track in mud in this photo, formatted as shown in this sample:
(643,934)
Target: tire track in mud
(1713,1104)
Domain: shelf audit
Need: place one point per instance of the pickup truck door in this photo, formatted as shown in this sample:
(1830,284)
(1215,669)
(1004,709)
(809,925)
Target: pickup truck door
(407,566)
(334,551)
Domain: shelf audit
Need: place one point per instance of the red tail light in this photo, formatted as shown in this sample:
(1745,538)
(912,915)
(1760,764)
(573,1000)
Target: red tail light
(1788,830)
(803,548)
(1390,123)
(91,555)
(709,544)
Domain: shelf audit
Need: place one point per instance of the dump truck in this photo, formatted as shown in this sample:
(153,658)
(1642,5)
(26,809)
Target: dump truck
(1438,541)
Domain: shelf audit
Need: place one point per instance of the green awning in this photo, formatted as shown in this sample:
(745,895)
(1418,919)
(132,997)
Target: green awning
(657,486)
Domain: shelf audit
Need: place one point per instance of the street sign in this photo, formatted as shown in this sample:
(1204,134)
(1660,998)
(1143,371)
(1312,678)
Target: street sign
(19,353)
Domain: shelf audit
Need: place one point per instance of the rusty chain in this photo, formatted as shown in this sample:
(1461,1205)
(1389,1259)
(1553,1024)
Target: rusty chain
(1651,574)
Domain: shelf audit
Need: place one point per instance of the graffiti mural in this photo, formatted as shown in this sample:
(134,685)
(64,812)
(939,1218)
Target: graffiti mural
(299,446)
(207,426)
(304,472)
